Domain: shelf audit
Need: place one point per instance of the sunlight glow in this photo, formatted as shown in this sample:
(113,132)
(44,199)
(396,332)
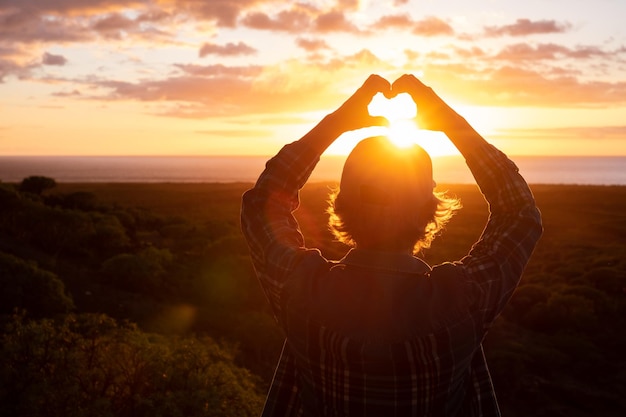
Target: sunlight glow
(402,130)
(401,107)
(400,111)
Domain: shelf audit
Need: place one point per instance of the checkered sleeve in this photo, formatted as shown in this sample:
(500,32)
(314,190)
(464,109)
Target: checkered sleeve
(272,232)
(497,260)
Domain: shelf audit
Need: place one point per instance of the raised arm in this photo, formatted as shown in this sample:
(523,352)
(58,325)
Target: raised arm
(435,114)
(276,244)
(352,115)
(495,263)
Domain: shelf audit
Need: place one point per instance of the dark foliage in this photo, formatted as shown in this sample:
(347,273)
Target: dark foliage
(89,365)
(37,184)
(170,258)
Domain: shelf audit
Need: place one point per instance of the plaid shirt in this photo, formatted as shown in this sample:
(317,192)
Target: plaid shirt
(381,334)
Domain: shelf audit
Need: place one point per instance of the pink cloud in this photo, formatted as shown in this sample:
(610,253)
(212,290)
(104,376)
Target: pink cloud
(51,59)
(219,70)
(473,52)
(224,12)
(549,51)
(229,49)
(312,45)
(288,21)
(514,86)
(6,68)
(18,25)
(523,27)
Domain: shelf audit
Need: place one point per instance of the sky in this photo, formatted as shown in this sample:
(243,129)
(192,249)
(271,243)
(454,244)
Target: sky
(244,77)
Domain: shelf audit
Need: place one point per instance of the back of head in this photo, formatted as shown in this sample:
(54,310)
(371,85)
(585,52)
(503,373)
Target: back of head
(385,199)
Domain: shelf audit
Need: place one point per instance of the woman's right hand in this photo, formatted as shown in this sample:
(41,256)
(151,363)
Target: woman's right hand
(432,112)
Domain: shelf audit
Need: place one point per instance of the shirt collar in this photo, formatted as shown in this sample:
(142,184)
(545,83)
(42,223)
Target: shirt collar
(386,261)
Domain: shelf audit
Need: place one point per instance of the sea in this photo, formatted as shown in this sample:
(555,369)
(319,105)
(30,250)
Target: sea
(607,170)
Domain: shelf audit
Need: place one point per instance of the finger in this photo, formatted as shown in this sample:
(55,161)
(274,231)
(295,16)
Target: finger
(408,83)
(373,85)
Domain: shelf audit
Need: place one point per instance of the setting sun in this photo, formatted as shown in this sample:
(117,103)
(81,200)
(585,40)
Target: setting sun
(400,111)
(403,130)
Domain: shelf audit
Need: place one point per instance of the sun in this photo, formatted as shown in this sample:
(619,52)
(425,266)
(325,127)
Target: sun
(403,130)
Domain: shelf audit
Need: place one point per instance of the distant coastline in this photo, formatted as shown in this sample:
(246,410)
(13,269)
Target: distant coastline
(604,170)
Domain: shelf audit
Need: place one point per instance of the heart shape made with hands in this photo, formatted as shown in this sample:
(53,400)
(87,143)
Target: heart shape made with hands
(398,107)
(399,110)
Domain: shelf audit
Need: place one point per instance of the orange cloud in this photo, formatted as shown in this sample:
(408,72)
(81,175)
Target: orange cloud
(218,90)
(396,21)
(334,21)
(312,45)
(432,26)
(429,26)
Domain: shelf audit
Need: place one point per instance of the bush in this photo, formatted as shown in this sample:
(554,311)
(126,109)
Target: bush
(25,286)
(142,272)
(36,184)
(90,365)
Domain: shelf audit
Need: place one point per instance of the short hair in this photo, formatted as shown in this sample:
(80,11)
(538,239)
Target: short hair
(386,198)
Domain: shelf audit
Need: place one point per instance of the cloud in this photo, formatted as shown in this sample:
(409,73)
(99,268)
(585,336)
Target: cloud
(225,13)
(597,133)
(524,27)
(229,49)
(50,59)
(198,91)
(301,19)
(312,45)
(73,93)
(348,4)
(19,25)
(6,68)
(396,21)
(219,70)
(429,26)
(73,6)
(113,23)
(69,21)
(432,26)
(292,21)
(469,53)
(514,86)
(334,21)
(550,51)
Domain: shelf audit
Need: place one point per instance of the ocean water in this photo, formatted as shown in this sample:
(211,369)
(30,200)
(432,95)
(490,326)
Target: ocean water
(610,170)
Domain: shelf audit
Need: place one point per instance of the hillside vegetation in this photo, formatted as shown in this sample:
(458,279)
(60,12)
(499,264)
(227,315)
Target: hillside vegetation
(140,300)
